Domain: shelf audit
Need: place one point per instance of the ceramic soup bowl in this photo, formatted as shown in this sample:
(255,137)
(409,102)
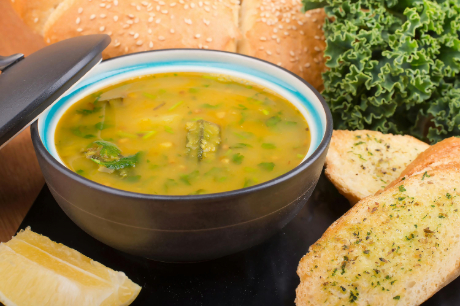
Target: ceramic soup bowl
(193,227)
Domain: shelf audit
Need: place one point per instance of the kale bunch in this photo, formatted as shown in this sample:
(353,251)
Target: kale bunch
(393,65)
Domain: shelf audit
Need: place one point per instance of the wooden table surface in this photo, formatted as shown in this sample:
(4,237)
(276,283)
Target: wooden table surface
(20,175)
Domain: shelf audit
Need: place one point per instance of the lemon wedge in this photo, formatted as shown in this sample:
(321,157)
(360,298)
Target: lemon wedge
(37,271)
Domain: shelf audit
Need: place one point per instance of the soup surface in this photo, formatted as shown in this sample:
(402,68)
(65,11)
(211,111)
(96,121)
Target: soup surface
(182,133)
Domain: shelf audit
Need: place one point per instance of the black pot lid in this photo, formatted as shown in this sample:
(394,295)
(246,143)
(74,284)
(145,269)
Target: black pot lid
(28,86)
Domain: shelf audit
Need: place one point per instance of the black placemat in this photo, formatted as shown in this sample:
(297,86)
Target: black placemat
(262,275)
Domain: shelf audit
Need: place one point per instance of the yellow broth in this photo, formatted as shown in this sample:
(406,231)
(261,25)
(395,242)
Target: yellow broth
(147,121)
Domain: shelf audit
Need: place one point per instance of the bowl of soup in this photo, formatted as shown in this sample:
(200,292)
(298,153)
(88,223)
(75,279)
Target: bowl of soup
(184,155)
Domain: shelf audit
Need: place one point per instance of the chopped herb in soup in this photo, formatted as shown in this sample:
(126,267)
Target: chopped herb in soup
(182,133)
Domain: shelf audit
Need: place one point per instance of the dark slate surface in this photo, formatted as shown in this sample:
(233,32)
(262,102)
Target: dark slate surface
(262,275)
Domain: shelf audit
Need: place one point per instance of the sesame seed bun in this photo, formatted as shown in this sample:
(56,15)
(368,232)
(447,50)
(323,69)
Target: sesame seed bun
(273,30)
(35,13)
(277,31)
(148,25)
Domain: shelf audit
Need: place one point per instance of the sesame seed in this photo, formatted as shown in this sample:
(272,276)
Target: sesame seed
(92,17)
(102,15)
(205,47)
(79,29)
(263,38)
(268,52)
(292,53)
(116,44)
(115,2)
(131,16)
(161,38)
(108,6)
(115,18)
(280,64)
(80,10)
(286,33)
(188,21)
(172,31)
(197,35)
(302,32)
(173,4)
(136,35)
(102,5)
(139,42)
(317,37)
(316,60)
(129,22)
(149,31)
(150,44)
(36,19)
(78,20)
(207,9)
(158,20)
(209,39)
(317,49)
(150,19)
(102,28)
(164,11)
(307,65)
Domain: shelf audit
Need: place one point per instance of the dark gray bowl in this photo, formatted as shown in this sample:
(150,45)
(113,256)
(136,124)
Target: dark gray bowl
(185,228)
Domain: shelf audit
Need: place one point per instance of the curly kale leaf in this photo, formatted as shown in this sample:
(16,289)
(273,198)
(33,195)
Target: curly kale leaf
(393,65)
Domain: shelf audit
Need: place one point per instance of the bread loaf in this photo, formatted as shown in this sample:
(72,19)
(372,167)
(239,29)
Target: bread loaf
(35,13)
(148,25)
(277,31)
(272,30)
(359,163)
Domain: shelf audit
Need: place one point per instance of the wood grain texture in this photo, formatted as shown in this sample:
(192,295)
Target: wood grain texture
(20,175)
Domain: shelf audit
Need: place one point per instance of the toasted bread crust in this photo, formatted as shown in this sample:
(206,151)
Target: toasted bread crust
(437,156)
(359,163)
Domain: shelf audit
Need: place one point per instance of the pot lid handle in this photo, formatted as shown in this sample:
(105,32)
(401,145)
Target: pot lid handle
(28,86)
(7,61)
